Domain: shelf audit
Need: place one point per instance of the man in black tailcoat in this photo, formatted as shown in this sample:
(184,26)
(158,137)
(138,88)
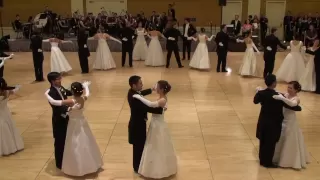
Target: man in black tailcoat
(37,55)
(137,124)
(271,44)
(222,41)
(126,35)
(188,31)
(172,34)
(60,117)
(270,120)
(83,51)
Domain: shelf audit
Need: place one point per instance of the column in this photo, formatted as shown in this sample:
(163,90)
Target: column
(254,7)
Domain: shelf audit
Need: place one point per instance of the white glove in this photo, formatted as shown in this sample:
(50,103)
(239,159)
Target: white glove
(269,48)
(85,46)
(220,44)
(39,50)
(155,87)
(86,83)
(189,38)
(304,48)
(136,96)
(278,97)
(288,47)
(259,88)
(124,39)
(171,39)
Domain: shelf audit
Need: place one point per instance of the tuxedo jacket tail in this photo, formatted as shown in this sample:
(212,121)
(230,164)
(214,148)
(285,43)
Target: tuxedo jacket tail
(273,42)
(137,123)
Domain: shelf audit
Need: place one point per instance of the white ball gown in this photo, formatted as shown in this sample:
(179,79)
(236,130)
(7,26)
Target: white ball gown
(104,59)
(200,58)
(140,49)
(158,158)
(291,151)
(292,67)
(10,138)
(249,61)
(308,79)
(59,63)
(155,54)
(81,152)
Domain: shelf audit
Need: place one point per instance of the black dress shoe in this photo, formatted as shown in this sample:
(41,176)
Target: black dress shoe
(224,71)
(181,66)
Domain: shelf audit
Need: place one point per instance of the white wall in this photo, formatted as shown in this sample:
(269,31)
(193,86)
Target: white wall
(77,5)
(254,7)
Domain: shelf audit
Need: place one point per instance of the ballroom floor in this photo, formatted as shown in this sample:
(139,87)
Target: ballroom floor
(211,117)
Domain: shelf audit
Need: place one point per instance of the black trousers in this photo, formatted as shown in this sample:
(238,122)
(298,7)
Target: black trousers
(137,153)
(175,50)
(1,71)
(266,151)
(222,60)
(83,63)
(186,47)
(59,142)
(269,60)
(124,55)
(38,65)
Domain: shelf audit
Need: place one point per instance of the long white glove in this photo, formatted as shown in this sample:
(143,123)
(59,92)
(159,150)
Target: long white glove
(4,59)
(209,39)
(146,101)
(114,39)
(239,41)
(289,102)
(149,36)
(46,40)
(16,89)
(86,85)
(163,36)
(255,48)
(51,100)
(259,88)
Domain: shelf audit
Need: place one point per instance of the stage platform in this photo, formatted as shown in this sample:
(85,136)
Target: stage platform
(23,45)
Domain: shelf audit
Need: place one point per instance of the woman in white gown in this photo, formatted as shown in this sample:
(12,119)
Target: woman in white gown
(140,49)
(10,138)
(308,79)
(81,152)
(292,67)
(200,58)
(158,159)
(291,151)
(59,63)
(104,59)
(249,60)
(155,54)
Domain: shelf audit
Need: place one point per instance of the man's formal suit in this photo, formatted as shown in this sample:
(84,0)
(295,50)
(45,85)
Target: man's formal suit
(236,27)
(137,124)
(126,34)
(269,56)
(59,122)
(83,52)
(269,123)
(172,35)
(37,55)
(188,31)
(222,42)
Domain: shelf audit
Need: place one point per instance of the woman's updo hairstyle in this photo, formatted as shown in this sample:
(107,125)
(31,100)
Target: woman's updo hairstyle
(77,89)
(165,86)
(296,85)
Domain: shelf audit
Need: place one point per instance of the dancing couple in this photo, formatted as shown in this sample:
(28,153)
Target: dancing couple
(75,148)
(281,140)
(153,153)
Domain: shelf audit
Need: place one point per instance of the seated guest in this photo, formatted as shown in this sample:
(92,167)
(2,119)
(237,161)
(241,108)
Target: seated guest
(246,26)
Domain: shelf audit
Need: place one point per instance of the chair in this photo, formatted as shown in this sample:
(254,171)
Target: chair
(17,31)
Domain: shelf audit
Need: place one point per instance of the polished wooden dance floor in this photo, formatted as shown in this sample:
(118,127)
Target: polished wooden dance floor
(211,117)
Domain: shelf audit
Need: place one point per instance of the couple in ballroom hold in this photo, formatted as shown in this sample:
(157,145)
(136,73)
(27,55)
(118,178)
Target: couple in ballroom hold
(281,140)
(75,148)
(153,152)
